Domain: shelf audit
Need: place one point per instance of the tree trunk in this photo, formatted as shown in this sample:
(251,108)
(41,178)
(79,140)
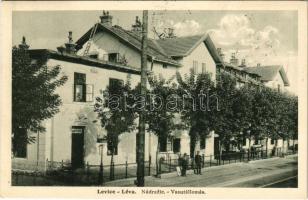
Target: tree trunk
(192,146)
(293,145)
(157,161)
(220,150)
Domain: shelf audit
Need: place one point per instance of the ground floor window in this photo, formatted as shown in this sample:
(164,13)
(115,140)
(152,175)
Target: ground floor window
(176,145)
(272,141)
(244,141)
(202,143)
(20,144)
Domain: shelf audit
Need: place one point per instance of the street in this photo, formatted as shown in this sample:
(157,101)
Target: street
(261,173)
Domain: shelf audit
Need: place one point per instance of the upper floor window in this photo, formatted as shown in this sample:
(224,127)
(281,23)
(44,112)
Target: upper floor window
(82,92)
(195,66)
(203,68)
(114,84)
(113,57)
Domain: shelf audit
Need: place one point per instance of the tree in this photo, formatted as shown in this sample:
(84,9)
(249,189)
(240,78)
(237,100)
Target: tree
(116,112)
(223,119)
(194,90)
(160,118)
(242,107)
(33,94)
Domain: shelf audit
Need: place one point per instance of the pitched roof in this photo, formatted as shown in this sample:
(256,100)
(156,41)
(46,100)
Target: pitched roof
(180,46)
(132,39)
(268,73)
(46,53)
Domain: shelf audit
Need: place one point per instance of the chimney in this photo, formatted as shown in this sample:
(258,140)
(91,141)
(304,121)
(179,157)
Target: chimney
(137,27)
(233,60)
(70,46)
(106,19)
(23,44)
(243,64)
(258,65)
(221,54)
(170,33)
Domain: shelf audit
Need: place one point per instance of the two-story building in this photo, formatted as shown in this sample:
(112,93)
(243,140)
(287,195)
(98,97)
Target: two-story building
(108,54)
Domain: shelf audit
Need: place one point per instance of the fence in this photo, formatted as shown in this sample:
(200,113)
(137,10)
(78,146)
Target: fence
(169,165)
(61,173)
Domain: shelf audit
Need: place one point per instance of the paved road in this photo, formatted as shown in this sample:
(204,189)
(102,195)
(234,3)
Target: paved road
(253,174)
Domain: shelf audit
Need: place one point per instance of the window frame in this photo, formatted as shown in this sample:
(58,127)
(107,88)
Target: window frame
(80,82)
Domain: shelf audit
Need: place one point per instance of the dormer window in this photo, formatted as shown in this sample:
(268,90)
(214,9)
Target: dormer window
(113,57)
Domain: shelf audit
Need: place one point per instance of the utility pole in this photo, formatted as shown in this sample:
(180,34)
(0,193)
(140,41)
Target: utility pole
(140,136)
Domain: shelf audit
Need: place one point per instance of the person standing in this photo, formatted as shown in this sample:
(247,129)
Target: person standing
(184,164)
(198,161)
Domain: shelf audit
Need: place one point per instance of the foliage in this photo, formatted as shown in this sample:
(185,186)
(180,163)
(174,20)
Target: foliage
(160,117)
(33,94)
(194,90)
(116,112)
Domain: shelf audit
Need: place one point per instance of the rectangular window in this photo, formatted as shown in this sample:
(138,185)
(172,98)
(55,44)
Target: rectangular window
(272,141)
(195,66)
(203,68)
(169,145)
(79,87)
(244,141)
(20,150)
(115,83)
(162,144)
(202,143)
(257,142)
(113,57)
(176,145)
(278,88)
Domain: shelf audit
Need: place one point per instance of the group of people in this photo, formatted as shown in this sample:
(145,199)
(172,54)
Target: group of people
(184,161)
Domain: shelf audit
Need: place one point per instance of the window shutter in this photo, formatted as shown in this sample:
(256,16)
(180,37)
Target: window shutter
(90,92)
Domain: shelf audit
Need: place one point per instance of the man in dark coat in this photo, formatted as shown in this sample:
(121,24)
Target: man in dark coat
(198,161)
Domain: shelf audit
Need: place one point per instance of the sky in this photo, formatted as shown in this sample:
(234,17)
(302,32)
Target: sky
(265,37)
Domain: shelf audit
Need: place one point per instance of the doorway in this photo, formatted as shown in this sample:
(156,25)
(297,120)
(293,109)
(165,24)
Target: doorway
(77,147)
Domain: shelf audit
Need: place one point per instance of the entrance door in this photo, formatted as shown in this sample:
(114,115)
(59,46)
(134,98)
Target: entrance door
(77,146)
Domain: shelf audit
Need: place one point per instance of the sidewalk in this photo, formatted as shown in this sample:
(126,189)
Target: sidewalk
(252,174)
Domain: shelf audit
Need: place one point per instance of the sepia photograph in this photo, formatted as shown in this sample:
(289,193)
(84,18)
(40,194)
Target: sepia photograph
(185,99)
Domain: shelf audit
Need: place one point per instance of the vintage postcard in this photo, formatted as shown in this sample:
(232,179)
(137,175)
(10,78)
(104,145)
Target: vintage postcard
(154,99)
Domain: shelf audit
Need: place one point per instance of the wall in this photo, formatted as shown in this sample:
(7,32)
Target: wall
(104,43)
(274,83)
(202,55)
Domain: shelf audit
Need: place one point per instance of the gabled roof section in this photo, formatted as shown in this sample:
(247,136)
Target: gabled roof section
(131,39)
(183,46)
(268,73)
(180,46)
